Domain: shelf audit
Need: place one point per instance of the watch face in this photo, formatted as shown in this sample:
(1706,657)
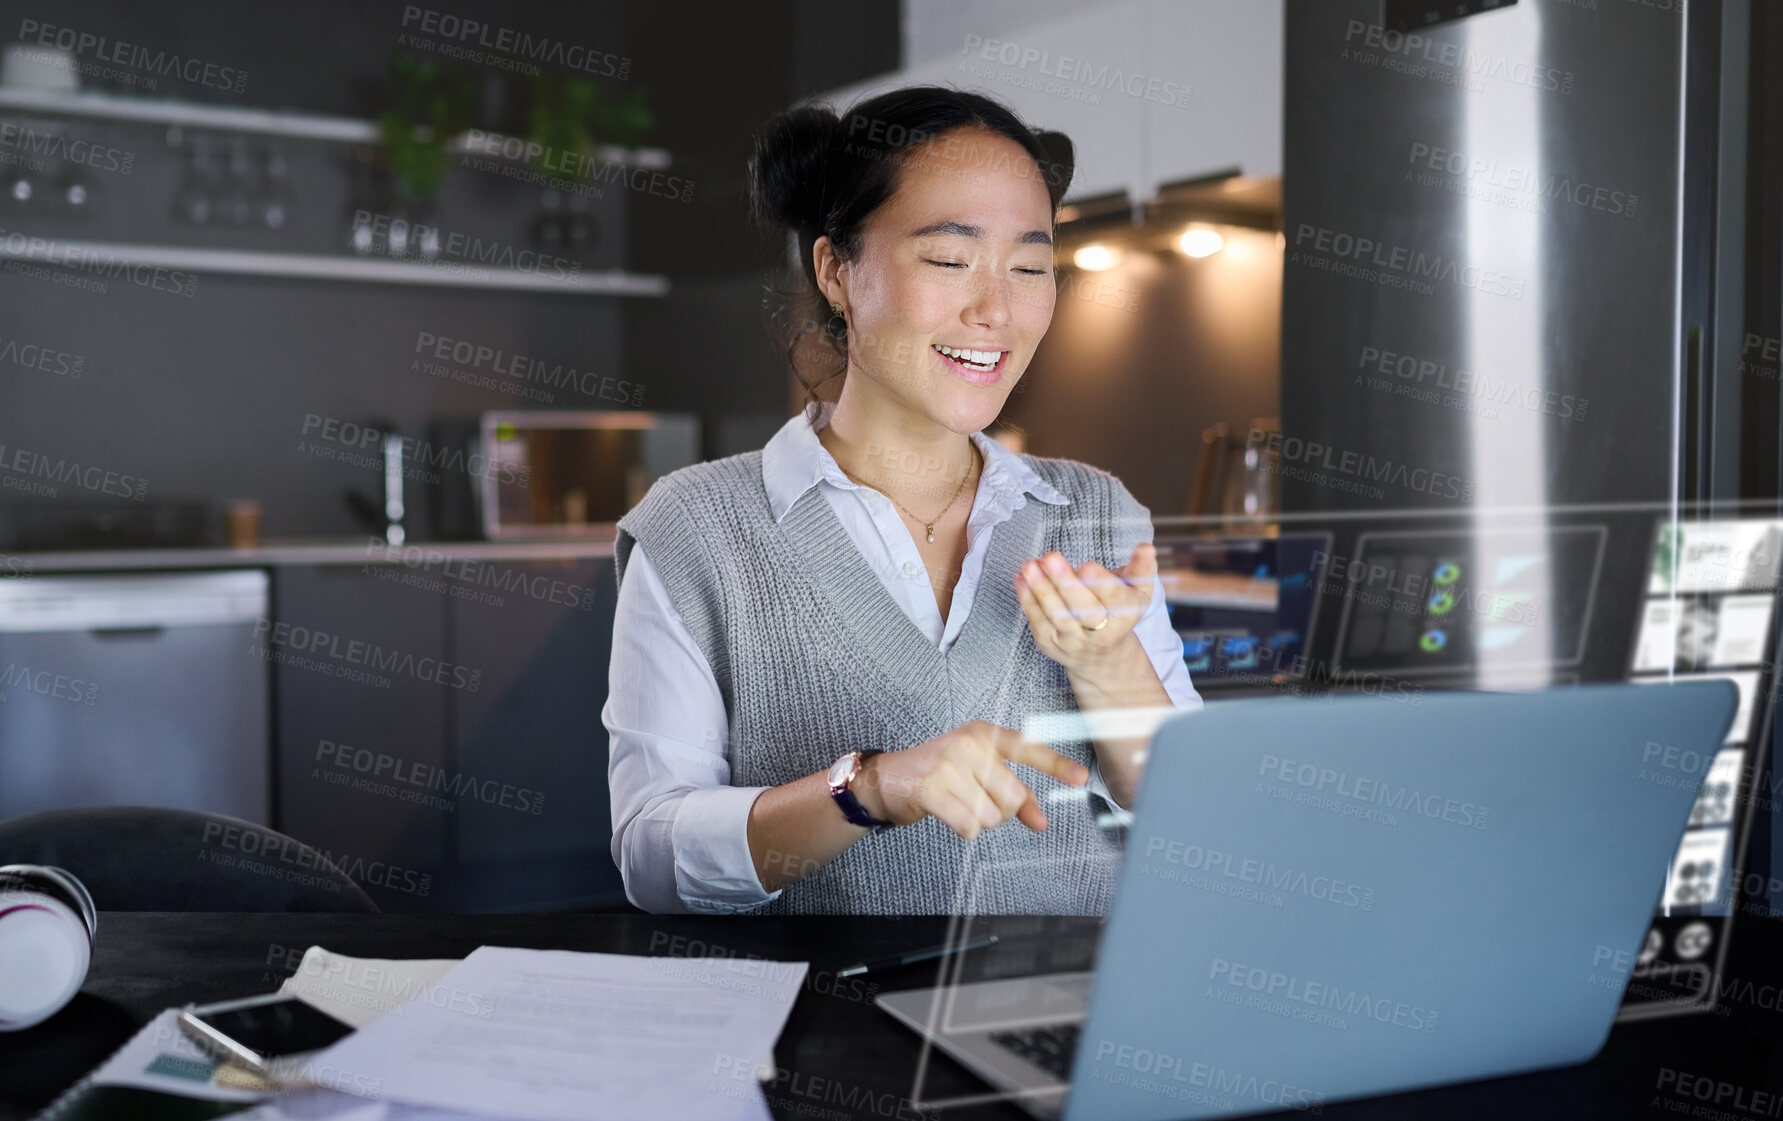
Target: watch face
(839,771)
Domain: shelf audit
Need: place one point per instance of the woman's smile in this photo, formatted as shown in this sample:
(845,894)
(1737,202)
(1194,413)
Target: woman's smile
(976,365)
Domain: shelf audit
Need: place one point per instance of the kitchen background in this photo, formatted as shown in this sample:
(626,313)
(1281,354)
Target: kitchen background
(308,273)
(231,373)
(285,303)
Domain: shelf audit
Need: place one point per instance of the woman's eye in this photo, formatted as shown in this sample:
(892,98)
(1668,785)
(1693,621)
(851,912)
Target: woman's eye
(948,264)
(1033,272)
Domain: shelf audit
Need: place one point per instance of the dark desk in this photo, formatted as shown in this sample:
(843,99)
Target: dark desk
(840,1056)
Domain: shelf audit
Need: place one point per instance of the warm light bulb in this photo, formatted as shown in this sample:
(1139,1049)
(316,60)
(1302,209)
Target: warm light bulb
(1202,243)
(1096,258)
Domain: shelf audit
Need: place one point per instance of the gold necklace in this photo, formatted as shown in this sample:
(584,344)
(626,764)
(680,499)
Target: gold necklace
(928,523)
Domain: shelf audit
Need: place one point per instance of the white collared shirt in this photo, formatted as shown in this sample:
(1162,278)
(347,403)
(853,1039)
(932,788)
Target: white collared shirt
(680,830)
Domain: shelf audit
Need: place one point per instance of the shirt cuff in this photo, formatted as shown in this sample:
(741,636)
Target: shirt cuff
(714,872)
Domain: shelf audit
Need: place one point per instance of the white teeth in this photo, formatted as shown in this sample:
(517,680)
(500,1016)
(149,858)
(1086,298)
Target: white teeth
(985,359)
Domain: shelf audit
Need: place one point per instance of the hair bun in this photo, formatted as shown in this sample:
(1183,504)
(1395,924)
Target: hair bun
(788,171)
(1060,163)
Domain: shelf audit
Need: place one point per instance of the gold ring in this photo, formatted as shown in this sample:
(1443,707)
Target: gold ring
(1100,625)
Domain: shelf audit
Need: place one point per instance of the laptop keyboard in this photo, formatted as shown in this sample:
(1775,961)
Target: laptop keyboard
(1049,1047)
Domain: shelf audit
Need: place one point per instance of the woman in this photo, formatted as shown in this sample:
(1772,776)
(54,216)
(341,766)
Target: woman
(823,650)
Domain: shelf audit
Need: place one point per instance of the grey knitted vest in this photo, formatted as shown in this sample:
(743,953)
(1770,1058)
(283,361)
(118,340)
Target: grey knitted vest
(814,658)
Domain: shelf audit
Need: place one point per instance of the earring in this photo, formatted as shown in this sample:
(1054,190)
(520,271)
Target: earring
(836,327)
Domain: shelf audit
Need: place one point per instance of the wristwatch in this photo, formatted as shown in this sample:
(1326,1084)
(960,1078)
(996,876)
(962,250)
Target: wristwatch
(842,776)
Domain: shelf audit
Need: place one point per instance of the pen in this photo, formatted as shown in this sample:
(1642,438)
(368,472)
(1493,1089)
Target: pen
(914,956)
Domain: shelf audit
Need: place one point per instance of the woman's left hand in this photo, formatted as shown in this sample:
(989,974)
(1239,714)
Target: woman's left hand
(1081,617)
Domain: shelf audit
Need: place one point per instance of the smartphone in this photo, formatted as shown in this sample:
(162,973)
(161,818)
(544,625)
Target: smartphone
(252,1031)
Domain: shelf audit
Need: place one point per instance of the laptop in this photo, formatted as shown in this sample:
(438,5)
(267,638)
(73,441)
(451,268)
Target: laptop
(1328,899)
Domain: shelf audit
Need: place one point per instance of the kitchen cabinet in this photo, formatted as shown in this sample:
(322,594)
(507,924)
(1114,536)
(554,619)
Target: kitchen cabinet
(1149,91)
(538,829)
(360,728)
(468,772)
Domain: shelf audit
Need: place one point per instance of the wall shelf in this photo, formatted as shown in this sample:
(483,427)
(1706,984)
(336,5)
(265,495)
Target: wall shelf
(318,266)
(264,122)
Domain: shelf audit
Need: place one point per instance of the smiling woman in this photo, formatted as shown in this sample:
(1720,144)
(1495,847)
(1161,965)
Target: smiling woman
(802,718)
(923,150)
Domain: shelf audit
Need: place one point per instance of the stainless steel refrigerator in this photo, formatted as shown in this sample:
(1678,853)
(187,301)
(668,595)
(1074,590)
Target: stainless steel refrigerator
(1516,344)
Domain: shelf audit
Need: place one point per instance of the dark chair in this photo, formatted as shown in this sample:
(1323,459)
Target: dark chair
(147,858)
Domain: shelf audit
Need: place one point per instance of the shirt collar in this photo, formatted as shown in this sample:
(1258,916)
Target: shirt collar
(795,460)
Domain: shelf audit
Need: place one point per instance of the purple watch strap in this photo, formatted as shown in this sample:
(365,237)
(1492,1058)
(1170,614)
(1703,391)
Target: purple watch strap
(851,806)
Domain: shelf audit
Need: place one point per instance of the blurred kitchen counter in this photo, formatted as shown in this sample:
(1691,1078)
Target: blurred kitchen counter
(337,551)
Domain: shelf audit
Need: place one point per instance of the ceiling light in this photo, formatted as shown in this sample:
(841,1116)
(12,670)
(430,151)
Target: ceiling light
(1201,242)
(1096,258)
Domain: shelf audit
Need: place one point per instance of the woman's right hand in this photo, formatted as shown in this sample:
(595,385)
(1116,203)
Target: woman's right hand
(963,778)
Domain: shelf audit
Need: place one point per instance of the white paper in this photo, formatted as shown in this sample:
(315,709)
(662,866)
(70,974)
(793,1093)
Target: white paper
(554,1035)
(329,1105)
(357,991)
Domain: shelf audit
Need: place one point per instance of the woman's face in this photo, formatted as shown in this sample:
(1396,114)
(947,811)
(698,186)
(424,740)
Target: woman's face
(959,257)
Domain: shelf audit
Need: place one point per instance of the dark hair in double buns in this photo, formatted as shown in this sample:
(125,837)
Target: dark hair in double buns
(820,175)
